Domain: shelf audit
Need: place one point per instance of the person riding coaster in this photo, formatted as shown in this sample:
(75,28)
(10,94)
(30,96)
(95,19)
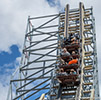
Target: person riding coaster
(65,55)
(75,54)
(63,75)
(74,40)
(64,52)
(68,63)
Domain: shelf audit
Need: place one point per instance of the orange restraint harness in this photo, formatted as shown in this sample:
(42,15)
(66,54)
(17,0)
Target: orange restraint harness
(74,61)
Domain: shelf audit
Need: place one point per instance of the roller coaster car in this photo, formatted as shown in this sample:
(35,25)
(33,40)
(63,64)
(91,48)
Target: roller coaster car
(72,66)
(65,57)
(69,80)
(72,47)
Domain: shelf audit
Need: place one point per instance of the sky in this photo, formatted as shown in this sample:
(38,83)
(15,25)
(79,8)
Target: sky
(13,21)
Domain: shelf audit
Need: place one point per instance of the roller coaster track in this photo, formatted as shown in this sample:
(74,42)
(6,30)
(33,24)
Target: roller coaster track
(85,28)
(36,74)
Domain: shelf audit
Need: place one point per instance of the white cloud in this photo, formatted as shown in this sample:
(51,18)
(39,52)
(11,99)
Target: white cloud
(5,77)
(3,93)
(13,19)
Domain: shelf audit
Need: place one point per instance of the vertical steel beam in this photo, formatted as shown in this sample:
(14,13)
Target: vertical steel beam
(92,95)
(81,7)
(11,91)
(66,25)
(96,80)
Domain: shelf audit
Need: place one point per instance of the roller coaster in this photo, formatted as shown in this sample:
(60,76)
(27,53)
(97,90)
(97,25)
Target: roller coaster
(59,58)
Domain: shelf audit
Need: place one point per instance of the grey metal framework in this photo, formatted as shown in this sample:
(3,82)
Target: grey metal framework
(41,54)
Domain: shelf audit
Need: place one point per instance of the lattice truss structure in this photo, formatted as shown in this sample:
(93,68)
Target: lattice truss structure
(41,56)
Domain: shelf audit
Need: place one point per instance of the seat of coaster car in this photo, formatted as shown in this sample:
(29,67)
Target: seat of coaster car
(75,56)
(65,57)
(71,83)
(68,67)
(69,80)
(72,46)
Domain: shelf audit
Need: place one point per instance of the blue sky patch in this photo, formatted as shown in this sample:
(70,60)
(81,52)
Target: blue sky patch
(54,3)
(51,3)
(6,58)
